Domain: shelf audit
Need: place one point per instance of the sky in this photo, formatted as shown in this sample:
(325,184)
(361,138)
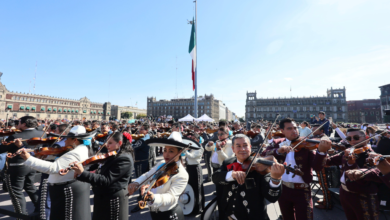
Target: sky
(126,51)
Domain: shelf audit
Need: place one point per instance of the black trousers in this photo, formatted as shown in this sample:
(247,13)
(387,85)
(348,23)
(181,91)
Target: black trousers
(175,213)
(17,179)
(115,206)
(44,198)
(207,160)
(196,182)
(70,201)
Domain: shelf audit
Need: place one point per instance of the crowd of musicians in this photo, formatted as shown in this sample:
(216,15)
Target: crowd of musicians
(251,164)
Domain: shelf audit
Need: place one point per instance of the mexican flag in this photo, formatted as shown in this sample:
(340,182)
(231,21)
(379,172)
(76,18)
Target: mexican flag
(192,51)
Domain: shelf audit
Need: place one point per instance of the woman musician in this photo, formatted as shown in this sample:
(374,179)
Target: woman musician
(222,149)
(69,197)
(163,200)
(110,180)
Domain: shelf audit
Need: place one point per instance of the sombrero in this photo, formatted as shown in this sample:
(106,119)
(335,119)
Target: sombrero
(174,140)
(78,132)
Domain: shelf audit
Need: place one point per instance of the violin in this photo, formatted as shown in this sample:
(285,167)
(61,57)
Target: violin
(262,165)
(137,136)
(90,129)
(92,160)
(211,131)
(159,179)
(377,159)
(165,134)
(359,150)
(278,134)
(37,140)
(98,136)
(44,151)
(252,134)
(311,144)
(6,133)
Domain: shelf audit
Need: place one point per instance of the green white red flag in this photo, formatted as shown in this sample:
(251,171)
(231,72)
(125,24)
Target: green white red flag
(192,51)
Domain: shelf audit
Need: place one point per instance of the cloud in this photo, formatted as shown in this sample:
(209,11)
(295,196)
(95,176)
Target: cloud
(288,79)
(270,81)
(274,46)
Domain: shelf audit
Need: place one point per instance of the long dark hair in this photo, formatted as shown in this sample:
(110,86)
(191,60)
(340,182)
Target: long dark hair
(126,144)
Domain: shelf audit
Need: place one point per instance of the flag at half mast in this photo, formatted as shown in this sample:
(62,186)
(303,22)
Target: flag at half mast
(192,51)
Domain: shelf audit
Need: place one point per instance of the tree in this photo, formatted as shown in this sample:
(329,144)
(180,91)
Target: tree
(141,116)
(241,119)
(127,115)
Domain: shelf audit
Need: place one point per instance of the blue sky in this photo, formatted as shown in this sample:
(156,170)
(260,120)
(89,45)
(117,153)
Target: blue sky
(124,51)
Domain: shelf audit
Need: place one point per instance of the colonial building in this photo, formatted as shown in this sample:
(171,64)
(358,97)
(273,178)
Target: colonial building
(118,110)
(17,104)
(180,107)
(364,111)
(385,98)
(334,104)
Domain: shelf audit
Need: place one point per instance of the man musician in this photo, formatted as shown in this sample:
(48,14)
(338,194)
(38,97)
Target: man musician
(259,138)
(296,201)
(235,200)
(18,175)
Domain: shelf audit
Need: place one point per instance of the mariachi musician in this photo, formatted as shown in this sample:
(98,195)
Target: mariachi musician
(98,142)
(221,149)
(358,197)
(110,180)
(235,200)
(194,170)
(19,176)
(142,161)
(163,200)
(296,201)
(69,197)
(258,138)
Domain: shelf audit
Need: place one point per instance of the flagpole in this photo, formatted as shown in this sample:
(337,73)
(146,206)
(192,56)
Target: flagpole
(196,69)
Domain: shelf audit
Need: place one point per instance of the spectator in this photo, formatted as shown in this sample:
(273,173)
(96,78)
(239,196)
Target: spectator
(320,120)
(304,129)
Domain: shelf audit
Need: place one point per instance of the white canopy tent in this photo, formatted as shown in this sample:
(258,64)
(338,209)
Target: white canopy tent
(204,118)
(187,118)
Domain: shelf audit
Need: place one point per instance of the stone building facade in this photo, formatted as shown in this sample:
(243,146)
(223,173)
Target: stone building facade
(334,104)
(118,110)
(364,111)
(384,98)
(17,104)
(180,107)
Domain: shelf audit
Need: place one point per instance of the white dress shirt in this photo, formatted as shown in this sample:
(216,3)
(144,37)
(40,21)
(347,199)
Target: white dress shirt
(223,154)
(80,153)
(167,195)
(290,159)
(194,157)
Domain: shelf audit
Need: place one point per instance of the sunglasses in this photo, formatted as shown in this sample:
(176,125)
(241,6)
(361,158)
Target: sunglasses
(355,137)
(221,134)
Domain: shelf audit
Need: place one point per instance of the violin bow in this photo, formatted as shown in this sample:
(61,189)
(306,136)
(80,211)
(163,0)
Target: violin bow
(61,134)
(44,132)
(307,136)
(259,151)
